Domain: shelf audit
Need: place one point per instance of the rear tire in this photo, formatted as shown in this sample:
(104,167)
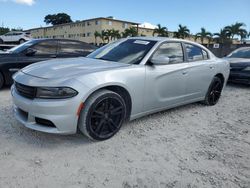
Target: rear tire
(21,41)
(214,92)
(102,115)
(1,80)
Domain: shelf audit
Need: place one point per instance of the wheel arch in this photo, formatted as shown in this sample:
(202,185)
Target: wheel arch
(220,75)
(121,90)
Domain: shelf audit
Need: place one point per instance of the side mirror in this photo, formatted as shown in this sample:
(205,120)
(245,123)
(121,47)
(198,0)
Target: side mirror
(30,52)
(160,60)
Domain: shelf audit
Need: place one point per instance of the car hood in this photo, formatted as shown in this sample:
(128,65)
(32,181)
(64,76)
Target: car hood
(64,68)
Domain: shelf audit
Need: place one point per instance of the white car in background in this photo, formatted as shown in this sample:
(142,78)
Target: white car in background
(15,37)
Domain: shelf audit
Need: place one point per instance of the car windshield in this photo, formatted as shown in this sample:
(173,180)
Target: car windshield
(130,51)
(21,47)
(240,53)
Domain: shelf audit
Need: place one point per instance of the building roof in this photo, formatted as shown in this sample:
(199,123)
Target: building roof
(98,18)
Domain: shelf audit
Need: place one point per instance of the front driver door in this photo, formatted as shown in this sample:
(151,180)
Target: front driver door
(166,84)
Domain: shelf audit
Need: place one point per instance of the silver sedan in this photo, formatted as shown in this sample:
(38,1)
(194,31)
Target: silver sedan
(121,81)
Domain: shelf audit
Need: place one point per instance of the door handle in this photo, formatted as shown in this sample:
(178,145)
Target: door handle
(184,72)
(52,56)
(211,67)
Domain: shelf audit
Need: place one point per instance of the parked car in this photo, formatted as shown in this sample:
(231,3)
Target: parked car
(15,37)
(39,50)
(121,81)
(240,65)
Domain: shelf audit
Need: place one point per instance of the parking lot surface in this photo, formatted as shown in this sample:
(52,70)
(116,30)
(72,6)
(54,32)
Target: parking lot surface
(190,146)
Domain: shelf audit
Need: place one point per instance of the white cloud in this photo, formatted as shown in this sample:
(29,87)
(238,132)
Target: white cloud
(148,25)
(25,2)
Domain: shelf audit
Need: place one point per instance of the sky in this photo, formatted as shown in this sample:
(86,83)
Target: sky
(211,14)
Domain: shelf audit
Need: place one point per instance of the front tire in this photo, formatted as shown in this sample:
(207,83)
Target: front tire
(1,80)
(21,41)
(214,92)
(102,115)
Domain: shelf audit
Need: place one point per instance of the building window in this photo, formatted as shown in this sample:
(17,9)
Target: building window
(88,23)
(97,22)
(83,24)
(109,22)
(125,25)
(88,34)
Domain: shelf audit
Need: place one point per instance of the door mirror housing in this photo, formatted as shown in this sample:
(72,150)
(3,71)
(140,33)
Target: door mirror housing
(30,52)
(160,60)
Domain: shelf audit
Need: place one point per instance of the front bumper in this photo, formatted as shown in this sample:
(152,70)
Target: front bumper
(62,113)
(239,77)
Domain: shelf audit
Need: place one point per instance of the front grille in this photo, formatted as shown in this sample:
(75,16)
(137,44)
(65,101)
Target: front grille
(25,91)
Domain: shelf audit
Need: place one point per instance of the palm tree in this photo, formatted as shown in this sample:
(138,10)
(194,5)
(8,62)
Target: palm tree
(161,31)
(236,29)
(108,35)
(103,35)
(222,37)
(243,34)
(97,34)
(130,32)
(203,35)
(183,32)
(115,34)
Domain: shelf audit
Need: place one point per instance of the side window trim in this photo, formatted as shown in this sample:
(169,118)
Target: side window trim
(202,49)
(165,42)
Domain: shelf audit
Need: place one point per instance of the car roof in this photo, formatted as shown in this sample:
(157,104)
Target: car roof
(69,40)
(166,39)
(162,39)
(243,48)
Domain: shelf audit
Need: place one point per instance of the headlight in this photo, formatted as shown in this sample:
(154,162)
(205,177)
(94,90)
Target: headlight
(55,92)
(247,69)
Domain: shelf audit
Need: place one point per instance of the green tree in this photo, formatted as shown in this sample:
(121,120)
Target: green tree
(161,31)
(115,34)
(236,29)
(104,36)
(203,35)
(55,19)
(222,37)
(183,32)
(4,30)
(97,34)
(130,32)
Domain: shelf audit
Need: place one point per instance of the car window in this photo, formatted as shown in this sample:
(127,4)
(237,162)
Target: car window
(129,51)
(205,54)
(172,50)
(73,47)
(240,53)
(194,53)
(45,48)
(8,34)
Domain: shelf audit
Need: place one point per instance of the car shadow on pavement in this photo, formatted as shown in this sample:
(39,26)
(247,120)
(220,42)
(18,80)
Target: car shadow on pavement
(238,85)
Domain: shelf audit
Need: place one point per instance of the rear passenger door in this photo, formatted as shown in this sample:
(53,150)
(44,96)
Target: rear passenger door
(200,71)
(71,49)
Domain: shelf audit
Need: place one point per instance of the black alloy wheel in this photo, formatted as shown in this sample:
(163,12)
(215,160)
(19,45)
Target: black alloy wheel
(214,92)
(103,115)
